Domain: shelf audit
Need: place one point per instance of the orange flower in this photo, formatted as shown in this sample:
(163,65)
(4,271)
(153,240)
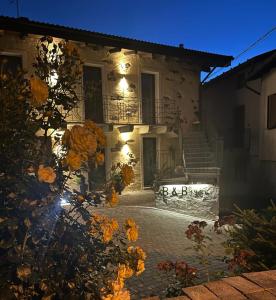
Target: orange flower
(39,90)
(141,253)
(112,199)
(127,174)
(124,271)
(23,272)
(131,230)
(107,226)
(46,174)
(121,295)
(140,267)
(73,160)
(99,158)
(82,141)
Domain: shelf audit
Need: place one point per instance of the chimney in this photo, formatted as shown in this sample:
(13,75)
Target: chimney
(181,46)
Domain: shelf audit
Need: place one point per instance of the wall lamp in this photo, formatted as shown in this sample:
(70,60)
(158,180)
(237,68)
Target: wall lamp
(126,128)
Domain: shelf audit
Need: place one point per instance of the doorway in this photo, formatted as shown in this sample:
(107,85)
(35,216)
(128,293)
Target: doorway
(149,160)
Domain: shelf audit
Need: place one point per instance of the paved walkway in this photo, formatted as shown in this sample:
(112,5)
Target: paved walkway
(162,236)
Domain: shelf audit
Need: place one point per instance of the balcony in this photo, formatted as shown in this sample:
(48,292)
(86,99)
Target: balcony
(126,110)
(129,110)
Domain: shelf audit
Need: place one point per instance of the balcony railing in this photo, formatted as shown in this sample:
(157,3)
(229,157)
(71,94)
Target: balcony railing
(127,110)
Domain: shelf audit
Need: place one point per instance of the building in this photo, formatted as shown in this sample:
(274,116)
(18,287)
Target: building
(239,107)
(145,95)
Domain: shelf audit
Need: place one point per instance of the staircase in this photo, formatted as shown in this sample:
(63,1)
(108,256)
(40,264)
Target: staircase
(200,159)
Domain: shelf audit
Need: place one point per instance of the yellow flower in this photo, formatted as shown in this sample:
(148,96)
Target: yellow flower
(131,230)
(141,253)
(82,141)
(97,131)
(99,158)
(73,160)
(46,174)
(112,199)
(23,272)
(124,271)
(117,285)
(100,137)
(127,174)
(107,226)
(137,251)
(39,91)
(114,224)
(121,295)
(140,267)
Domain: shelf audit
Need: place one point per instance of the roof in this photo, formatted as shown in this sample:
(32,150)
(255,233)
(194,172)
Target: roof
(25,26)
(254,67)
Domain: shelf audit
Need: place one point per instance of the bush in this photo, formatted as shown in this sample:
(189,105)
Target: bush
(49,251)
(252,240)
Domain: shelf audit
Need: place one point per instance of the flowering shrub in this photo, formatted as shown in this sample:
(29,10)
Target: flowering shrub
(179,274)
(49,251)
(122,174)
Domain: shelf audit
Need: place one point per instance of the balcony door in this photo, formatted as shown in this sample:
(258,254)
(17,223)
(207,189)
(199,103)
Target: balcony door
(93,95)
(148,90)
(149,160)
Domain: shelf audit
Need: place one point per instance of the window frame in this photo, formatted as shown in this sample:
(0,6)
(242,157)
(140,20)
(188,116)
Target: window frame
(270,123)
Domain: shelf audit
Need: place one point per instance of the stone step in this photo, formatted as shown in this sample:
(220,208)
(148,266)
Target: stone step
(199,159)
(192,150)
(197,155)
(200,164)
(203,170)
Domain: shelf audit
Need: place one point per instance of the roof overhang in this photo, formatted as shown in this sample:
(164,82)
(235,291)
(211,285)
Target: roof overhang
(24,26)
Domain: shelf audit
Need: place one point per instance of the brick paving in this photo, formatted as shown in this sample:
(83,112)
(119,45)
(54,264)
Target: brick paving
(161,235)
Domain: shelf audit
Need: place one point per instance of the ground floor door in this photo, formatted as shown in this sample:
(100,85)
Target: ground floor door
(96,175)
(149,160)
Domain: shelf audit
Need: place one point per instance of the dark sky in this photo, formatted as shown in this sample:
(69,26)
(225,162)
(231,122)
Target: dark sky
(220,26)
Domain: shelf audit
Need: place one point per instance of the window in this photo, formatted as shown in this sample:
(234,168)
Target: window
(93,98)
(10,63)
(271,112)
(148,98)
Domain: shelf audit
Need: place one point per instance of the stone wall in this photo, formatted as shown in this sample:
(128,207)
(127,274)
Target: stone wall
(198,200)
(177,88)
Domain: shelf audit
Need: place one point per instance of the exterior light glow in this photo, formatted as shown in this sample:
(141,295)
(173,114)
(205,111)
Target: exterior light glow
(125,149)
(123,84)
(125,136)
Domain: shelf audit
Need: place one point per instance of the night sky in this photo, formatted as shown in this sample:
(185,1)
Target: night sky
(219,26)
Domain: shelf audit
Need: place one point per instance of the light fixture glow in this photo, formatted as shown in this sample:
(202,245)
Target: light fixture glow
(125,136)
(123,84)
(125,149)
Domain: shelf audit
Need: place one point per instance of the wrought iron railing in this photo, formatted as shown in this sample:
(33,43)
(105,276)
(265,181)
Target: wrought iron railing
(168,161)
(127,110)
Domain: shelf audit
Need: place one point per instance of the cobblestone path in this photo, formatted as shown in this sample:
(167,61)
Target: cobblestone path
(162,236)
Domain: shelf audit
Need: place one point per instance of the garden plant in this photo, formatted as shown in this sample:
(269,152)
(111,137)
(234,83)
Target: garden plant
(49,250)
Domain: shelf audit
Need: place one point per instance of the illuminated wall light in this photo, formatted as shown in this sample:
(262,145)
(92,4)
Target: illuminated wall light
(124,67)
(123,84)
(125,149)
(125,136)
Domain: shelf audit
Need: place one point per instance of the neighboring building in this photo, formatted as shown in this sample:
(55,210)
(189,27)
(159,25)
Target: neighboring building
(141,90)
(239,106)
